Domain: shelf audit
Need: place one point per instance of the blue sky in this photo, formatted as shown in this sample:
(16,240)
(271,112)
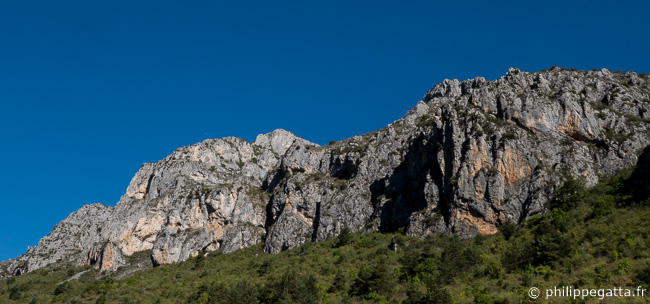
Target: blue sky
(89,90)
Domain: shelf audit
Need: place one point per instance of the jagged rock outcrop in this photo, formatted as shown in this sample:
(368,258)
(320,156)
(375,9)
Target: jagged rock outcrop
(79,230)
(469,157)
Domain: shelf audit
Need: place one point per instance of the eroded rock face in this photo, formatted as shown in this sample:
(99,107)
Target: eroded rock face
(469,157)
(67,241)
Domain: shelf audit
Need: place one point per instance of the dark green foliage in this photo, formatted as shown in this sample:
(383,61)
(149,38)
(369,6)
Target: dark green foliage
(265,267)
(569,196)
(453,181)
(424,121)
(292,287)
(14,294)
(433,219)
(456,258)
(481,294)
(643,276)
(615,136)
(601,275)
(508,229)
(429,293)
(341,283)
(494,270)
(61,288)
(132,281)
(243,292)
(375,278)
(550,244)
(560,220)
(492,170)
(101,300)
(427,271)
(598,106)
(495,120)
(439,259)
(519,251)
(509,135)
(604,205)
(345,237)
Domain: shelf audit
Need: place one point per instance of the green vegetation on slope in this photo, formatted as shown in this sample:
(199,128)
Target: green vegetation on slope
(591,238)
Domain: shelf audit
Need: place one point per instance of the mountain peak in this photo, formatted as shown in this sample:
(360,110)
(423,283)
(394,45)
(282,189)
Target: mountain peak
(469,157)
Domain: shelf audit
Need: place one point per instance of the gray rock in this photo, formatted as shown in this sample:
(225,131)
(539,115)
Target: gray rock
(469,157)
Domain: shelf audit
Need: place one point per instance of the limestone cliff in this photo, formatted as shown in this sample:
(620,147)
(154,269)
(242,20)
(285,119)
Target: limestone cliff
(469,157)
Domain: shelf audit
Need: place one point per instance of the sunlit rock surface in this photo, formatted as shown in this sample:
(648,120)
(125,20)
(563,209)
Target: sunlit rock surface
(469,157)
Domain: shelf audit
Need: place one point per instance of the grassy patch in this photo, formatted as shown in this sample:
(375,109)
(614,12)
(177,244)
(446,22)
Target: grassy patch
(424,121)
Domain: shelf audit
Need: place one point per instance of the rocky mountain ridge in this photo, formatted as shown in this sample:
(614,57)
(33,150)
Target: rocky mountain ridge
(469,157)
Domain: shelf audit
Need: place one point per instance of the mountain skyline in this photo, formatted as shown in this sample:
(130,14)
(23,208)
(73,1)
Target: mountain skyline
(92,91)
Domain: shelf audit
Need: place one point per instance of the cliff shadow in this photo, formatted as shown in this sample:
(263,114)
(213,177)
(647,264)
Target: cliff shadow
(404,192)
(639,182)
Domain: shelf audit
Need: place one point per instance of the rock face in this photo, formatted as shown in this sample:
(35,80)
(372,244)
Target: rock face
(469,157)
